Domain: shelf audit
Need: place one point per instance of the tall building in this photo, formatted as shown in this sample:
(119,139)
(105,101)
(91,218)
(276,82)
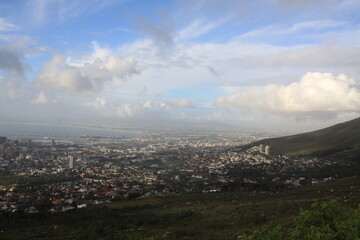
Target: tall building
(267,150)
(261,148)
(71,162)
(2,140)
(11,152)
(26,142)
(53,142)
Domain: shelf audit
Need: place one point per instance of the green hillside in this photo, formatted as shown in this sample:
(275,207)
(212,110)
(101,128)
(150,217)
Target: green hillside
(216,216)
(341,142)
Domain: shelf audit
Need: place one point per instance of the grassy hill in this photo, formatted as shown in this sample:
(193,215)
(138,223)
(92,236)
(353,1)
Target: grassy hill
(225,215)
(341,142)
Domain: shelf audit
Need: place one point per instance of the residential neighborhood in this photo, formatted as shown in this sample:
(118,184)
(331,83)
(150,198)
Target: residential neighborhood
(54,176)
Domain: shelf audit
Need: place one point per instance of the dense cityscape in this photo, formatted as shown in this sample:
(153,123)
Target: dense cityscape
(178,119)
(44,174)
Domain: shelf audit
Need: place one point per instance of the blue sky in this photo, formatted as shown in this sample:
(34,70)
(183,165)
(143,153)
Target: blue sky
(289,65)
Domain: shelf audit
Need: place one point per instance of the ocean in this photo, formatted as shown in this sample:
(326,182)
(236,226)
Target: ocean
(59,132)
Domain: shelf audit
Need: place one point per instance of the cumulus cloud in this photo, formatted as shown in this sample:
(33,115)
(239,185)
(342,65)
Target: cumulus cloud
(84,77)
(97,103)
(315,92)
(58,75)
(182,103)
(120,67)
(151,107)
(126,110)
(41,99)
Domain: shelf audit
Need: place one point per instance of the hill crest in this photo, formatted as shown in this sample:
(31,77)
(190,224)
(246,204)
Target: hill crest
(339,142)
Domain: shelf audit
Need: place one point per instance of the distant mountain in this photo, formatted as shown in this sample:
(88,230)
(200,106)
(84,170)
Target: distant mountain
(340,142)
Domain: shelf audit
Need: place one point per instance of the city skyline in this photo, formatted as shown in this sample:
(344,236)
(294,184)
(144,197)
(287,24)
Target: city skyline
(271,64)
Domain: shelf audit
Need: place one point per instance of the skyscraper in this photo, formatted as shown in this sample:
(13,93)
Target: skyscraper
(71,162)
(261,148)
(267,150)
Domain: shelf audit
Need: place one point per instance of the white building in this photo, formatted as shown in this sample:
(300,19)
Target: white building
(267,150)
(261,148)
(71,162)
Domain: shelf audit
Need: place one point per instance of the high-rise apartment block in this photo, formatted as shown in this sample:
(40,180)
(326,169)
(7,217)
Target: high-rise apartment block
(261,148)
(267,150)
(71,162)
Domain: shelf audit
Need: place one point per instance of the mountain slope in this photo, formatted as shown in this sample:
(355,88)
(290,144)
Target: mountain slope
(341,142)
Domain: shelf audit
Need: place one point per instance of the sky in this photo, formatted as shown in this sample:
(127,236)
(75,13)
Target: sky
(280,65)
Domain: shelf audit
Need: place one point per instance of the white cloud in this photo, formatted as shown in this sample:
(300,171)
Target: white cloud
(198,28)
(190,70)
(317,56)
(125,110)
(83,77)
(182,103)
(315,92)
(41,99)
(316,24)
(6,26)
(120,67)
(295,28)
(152,108)
(98,53)
(58,75)
(144,108)
(97,103)
(190,65)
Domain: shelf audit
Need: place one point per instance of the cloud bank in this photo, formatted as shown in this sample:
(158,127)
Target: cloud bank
(309,57)
(315,92)
(97,103)
(178,58)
